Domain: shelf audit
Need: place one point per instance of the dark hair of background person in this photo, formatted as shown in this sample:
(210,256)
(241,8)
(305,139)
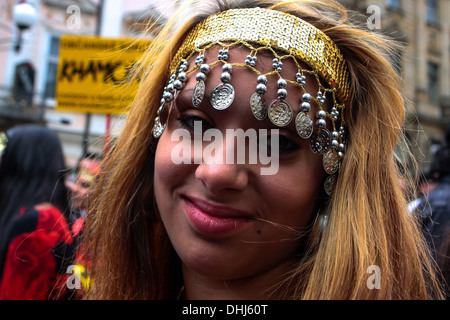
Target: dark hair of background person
(32,170)
(440,166)
(436,209)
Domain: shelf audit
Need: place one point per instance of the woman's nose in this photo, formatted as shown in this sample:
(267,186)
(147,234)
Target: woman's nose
(221,177)
(223,172)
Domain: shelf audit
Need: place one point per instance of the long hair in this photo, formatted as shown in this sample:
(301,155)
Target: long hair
(368,220)
(32,170)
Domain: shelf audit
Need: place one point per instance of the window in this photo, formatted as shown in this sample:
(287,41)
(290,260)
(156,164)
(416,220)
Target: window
(52,67)
(393,4)
(433,83)
(432,12)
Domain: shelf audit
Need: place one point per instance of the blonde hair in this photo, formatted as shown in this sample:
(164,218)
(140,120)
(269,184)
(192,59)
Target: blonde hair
(369,224)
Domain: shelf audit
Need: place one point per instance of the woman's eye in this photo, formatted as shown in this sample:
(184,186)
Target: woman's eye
(285,144)
(190,121)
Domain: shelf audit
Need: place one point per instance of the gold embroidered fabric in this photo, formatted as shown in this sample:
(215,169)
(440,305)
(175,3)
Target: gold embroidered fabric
(276,30)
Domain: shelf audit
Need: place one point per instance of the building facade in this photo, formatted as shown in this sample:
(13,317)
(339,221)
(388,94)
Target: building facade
(423,29)
(35,63)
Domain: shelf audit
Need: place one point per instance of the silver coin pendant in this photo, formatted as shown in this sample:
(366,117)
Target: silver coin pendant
(280,113)
(320,141)
(199,93)
(329,184)
(304,125)
(222,96)
(331,161)
(158,128)
(259,106)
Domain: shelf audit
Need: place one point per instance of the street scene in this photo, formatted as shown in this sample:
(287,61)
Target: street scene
(224,150)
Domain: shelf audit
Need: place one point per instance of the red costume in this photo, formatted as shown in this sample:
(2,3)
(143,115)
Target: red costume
(40,248)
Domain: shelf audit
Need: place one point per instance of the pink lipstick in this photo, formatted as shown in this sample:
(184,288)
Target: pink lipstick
(210,219)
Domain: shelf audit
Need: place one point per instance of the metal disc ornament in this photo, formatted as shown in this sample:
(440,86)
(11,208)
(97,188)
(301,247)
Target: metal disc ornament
(259,106)
(329,184)
(280,113)
(331,161)
(158,128)
(199,93)
(304,125)
(320,141)
(222,96)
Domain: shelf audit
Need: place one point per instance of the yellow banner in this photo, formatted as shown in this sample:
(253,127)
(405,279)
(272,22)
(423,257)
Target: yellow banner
(93,73)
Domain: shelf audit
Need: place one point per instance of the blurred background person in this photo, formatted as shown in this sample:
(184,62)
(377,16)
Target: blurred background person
(36,243)
(435,208)
(81,189)
(425,183)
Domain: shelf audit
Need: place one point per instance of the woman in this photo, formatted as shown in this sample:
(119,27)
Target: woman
(317,210)
(36,242)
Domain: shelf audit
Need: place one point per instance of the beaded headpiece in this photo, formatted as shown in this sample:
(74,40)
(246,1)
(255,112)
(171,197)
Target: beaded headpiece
(263,29)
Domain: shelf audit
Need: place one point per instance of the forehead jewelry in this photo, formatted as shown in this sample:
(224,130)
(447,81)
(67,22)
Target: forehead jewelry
(222,95)
(274,31)
(257,101)
(280,112)
(303,121)
(199,89)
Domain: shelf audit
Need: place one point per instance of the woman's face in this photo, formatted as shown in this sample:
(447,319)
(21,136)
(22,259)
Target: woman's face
(227,220)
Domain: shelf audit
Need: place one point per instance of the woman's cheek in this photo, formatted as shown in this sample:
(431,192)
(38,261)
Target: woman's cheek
(164,165)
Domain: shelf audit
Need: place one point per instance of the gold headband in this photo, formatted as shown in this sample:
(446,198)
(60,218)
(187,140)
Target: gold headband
(277,30)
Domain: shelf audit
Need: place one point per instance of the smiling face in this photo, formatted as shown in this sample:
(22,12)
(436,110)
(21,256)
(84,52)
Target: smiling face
(225,220)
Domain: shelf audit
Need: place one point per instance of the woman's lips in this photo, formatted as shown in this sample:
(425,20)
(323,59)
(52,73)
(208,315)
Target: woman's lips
(210,219)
